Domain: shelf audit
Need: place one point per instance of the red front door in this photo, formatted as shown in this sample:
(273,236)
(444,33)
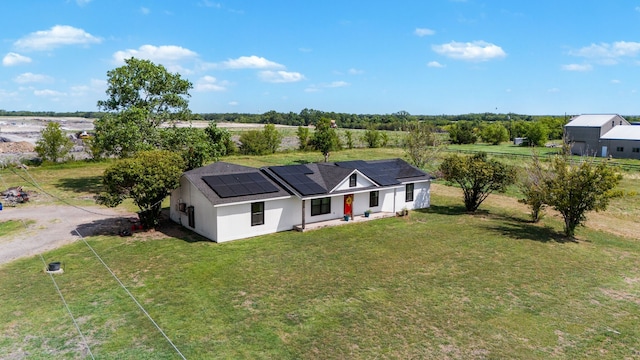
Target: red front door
(348,202)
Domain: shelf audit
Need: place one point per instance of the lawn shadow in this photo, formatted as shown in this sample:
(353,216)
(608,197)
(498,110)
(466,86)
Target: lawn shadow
(444,210)
(301,162)
(518,229)
(91,184)
(108,226)
(172,229)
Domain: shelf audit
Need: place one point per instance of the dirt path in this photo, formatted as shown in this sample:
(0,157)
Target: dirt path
(51,226)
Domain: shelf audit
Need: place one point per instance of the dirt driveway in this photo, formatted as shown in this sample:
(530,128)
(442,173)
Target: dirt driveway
(51,226)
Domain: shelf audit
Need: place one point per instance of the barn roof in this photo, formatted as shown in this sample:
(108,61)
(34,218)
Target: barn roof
(623,132)
(595,120)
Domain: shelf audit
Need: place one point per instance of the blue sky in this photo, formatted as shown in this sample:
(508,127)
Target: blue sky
(424,57)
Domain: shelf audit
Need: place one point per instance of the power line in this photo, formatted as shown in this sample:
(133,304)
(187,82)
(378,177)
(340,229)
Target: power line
(35,183)
(75,323)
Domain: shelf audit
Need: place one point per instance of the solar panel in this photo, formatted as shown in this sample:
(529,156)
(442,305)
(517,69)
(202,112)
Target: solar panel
(240,184)
(296,176)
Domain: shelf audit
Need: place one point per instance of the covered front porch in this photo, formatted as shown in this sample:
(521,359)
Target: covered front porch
(341,221)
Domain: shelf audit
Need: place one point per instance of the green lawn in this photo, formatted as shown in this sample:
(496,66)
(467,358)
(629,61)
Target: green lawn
(440,283)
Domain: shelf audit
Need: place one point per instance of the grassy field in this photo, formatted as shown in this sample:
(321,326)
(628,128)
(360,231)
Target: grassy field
(440,283)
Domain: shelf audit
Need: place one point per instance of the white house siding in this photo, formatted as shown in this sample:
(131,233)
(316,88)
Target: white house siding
(420,197)
(204,213)
(361,182)
(234,221)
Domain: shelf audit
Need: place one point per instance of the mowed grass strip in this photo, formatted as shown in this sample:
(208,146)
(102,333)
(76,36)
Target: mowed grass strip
(440,283)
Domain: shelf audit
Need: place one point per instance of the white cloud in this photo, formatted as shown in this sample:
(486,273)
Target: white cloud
(209,83)
(434,64)
(251,62)
(305,50)
(608,54)
(423,32)
(280,76)
(57,36)
(577,67)
(337,84)
(12,59)
(472,51)
(48,93)
(234,103)
(553,90)
(615,81)
(170,54)
(28,77)
(210,4)
(353,71)
(82,2)
(145,10)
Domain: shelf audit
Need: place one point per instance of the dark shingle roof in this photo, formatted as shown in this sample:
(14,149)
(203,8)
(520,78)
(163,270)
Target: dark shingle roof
(223,171)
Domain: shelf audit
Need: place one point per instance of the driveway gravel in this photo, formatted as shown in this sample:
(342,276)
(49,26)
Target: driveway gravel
(56,225)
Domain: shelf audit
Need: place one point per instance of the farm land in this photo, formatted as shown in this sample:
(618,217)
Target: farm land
(440,283)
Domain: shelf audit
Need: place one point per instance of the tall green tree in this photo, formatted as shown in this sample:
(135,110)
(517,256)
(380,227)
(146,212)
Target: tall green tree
(304,138)
(272,138)
(220,140)
(537,133)
(494,133)
(146,178)
(577,188)
(532,183)
(462,132)
(141,96)
(421,144)
(192,144)
(53,144)
(478,176)
(325,138)
(371,137)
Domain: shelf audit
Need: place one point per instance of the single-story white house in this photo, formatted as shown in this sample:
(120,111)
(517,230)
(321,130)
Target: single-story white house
(225,201)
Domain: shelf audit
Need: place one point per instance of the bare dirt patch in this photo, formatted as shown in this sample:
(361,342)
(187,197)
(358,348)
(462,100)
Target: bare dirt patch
(55,226)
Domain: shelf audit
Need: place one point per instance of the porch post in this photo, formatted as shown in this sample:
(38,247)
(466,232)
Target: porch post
(304,202)
(394,200)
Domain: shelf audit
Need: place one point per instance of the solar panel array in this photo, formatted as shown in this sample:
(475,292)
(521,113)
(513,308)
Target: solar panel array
(296,176)
(239,184)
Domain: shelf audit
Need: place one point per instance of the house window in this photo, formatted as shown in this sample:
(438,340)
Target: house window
(373,198)
(619,149)
(635,150)
(257,213)
(320,206)
(191,216)
(408,193)
(353,180)
(613,123)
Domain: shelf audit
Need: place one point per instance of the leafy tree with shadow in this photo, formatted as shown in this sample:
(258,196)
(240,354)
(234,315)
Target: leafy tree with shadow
(147,178)
(578,187)
(477,175)
(53,143)
(532,184)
